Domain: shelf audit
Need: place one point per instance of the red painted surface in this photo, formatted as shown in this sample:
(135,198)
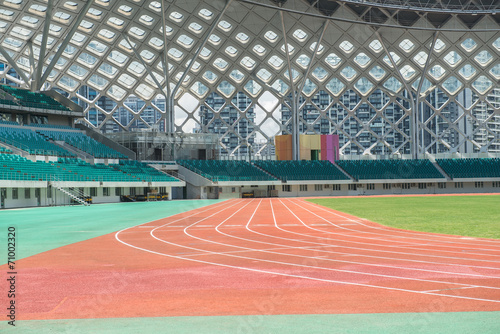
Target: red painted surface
(231,259)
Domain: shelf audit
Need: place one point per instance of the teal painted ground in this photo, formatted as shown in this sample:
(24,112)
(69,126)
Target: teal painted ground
(392,323)
(42,229)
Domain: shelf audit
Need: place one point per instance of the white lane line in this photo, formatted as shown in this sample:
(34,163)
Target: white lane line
(324,245)
(376,245)
(405,241)
(414,234)
(465,287)
(307,257)
(329,245)
(246,249)
(377,250)
(288,275)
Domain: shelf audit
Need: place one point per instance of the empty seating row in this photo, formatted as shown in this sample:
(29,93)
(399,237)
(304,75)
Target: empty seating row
(226,170)
(15,167)
(8,102)
(8,122)
(390,169)
(82,142)
(33,99)
(470,168)
(52,126)
(143,171)
(5,150)
(97,172)
(288,170)
(31,142)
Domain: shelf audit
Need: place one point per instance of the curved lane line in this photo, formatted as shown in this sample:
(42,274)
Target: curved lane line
(279,273)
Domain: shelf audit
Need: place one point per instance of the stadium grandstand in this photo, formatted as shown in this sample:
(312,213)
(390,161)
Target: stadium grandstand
(107,101)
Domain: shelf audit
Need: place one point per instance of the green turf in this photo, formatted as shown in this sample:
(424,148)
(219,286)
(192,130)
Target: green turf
(473,216)
(395,323)
(42,229)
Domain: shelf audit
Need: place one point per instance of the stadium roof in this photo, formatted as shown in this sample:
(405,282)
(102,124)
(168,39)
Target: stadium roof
(119,47)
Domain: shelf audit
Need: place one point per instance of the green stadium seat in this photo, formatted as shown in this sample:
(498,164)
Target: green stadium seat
(301,170)
(470,168)
(226,170)
(390,169)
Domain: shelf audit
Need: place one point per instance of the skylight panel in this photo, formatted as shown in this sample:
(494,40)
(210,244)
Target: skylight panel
(94,13)
(176,54)
(147,55)
(107,34)
(125,10)
(35,9)
(116,22)
(108,70)
(185,41)
(126,80)
(21,32)
(117,57)
(137,32)
(62,16)
(259,49)
(97,47)
(195,27)
(242,37)
(29,21)
(13,3)
(214,39)
(88,59)
(224,25)
(156,42)
(206,14)
(271,36)
(300,35)
(176,16)
(232,51)
(146,19)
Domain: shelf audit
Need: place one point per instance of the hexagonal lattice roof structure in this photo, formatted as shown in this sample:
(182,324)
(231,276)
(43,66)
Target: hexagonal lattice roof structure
(387,76)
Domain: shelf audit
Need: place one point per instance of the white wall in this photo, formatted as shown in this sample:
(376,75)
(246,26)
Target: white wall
(362,189)
(58,198)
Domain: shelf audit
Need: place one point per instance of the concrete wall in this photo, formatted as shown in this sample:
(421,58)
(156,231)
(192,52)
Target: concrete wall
(367,189)
(224,191)
(196,192)
(50,196)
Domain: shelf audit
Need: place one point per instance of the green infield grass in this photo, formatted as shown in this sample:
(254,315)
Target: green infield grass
(473,216)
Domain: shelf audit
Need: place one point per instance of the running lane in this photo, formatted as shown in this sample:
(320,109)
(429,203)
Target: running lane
(260,256)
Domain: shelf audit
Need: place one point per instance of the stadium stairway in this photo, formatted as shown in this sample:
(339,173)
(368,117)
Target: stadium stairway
(14,149)
(343,171)
(76,197)
(263,170)
(441,170)
(172,173)
(68,147)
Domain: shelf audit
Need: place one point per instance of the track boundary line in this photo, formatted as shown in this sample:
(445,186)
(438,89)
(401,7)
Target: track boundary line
(379,239)
(283,247)
(283,274)
(394,229)
(383,251)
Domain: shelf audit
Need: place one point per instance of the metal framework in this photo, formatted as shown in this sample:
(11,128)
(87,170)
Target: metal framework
(389,77)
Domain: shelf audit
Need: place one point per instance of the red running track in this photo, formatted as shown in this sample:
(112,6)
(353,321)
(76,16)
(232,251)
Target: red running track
(263,256)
